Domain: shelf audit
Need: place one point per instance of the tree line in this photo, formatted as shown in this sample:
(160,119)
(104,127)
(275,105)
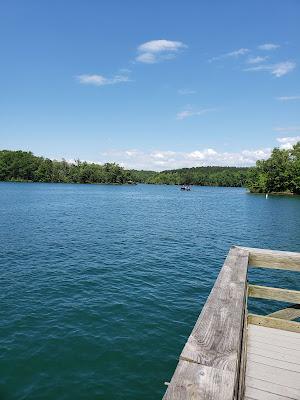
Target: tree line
(202,176)
(26,167)
(280,173)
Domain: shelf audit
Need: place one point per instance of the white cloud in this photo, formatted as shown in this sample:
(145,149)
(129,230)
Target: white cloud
(288,98)
(288,142)
(192,113)
(283,68)
(201,155)
(147,58)
(158,46)
(160,159)
(100,80)
(268,46)
(184,92)
(235,53)
(157,50)
(257,59)
(279,69)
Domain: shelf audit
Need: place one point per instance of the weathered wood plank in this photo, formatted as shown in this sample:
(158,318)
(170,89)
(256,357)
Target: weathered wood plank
(194,381)
(289,313)
(258,394)
(263,258)
(269,331)
(274,323)
(273,374)
(277,336)
(276,341)
(216,336)
(271,293)
(209,366)
(271,362)
(273,388)
(243,357)
(274,352)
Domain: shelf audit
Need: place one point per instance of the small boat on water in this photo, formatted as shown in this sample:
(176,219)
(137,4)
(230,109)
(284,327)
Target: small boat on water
(185,187)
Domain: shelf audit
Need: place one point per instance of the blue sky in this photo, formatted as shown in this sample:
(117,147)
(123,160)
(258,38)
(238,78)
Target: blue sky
(152,85)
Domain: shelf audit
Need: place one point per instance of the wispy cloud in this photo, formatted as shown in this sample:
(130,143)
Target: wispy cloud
(257,59)
(268,46)
(168,159)
(288,142)
(235,53)
(192,113)
(158,50)
(100,80)
(287,98)
(287,128)
(184,92)
(278,69)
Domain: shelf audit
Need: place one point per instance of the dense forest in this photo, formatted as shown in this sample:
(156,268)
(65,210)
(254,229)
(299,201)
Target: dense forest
(278,174)
(203,176)
(24,166)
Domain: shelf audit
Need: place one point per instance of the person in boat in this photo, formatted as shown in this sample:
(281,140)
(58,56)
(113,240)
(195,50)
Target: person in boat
(185,187)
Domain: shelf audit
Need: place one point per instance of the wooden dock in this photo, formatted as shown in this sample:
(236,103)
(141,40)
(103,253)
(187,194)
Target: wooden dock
(233,355)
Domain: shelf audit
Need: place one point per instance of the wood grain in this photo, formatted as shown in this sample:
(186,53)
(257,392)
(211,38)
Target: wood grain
(214,347)
(271,387)
(274,323)
(289,313)
(256,394)
(271,293)
(273,364)
(212,363)
(274,352)
(261,329)
(263,258)
(193,381)
(243,357)
(274,374)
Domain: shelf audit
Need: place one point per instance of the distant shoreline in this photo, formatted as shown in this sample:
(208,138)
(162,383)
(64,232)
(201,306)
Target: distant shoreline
(119,184)
(276,194)
(289,194)
(24,166)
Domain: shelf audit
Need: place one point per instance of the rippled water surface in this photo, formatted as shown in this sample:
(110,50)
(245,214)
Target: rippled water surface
(101,285)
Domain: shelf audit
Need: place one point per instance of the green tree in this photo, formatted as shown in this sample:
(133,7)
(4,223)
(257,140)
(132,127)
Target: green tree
(295,169)
(279,173)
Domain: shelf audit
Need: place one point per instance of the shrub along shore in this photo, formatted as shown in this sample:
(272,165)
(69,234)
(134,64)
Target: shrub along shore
(280,173)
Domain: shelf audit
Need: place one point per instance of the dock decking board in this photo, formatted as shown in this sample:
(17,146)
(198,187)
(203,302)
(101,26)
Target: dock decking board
(231,355)
(273,388)
(266,376)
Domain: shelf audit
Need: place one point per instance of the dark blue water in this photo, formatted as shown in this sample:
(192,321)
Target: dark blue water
(101,285)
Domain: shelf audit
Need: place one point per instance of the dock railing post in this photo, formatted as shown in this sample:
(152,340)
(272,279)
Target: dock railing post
(210,364)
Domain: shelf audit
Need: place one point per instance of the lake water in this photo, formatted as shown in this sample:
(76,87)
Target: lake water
(101,285)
